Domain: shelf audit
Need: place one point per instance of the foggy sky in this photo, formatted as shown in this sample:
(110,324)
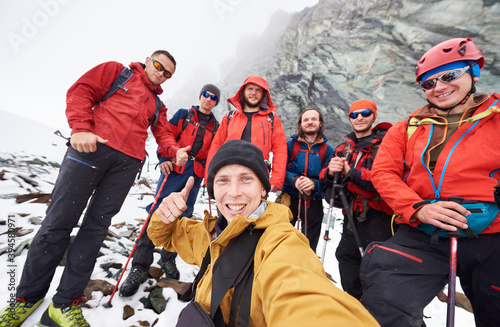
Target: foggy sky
(46,45)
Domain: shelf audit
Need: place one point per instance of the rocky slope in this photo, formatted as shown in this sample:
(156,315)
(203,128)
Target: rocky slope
(339,51)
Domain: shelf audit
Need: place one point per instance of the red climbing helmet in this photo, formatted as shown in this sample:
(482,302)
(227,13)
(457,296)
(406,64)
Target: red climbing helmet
(449,51)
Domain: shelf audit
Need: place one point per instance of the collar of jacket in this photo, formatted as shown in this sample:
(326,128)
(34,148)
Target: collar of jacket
(138,69)
(273,214)
(430,111)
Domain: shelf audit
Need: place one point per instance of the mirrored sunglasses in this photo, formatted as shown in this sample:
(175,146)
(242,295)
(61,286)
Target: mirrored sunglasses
(446,78)
(160,68)
(365,113)
(211,96)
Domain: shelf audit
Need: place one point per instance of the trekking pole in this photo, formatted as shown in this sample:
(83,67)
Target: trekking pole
(345,205)
(298,214)
(326,237)
(108,304)
(452,277)
(305,216)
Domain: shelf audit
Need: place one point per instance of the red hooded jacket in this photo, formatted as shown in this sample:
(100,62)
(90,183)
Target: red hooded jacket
(122,119)
(269,136)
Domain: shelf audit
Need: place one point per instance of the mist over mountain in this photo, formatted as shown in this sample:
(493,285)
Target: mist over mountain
(329,55)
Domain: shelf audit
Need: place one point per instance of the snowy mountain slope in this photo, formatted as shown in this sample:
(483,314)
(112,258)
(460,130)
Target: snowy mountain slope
(24,141)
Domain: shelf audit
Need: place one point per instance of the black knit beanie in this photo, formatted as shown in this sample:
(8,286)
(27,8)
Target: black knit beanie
(238,152)
(211,88)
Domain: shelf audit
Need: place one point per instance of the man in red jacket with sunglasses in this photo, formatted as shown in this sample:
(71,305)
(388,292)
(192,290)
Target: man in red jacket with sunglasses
(448,148)
(106,153)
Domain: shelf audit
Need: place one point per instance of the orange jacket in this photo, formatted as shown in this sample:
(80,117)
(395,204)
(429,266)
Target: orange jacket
(267,135)
(122,119)
(471,171)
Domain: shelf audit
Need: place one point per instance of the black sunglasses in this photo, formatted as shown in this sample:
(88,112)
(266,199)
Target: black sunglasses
(446,78)
(211,96)
(160,68)
(365,113)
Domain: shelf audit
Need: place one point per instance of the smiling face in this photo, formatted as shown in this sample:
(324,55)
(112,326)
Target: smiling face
(253,96)
(362,126)
(155,76)
(446,95)
(237,191)
(310,122)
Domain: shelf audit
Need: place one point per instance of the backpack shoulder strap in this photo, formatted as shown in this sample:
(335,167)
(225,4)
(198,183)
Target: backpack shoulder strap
(295,152)
(233,264)
(154,120)
(187,120)
(322,152)
(271,118)
(118,83)
(230,115)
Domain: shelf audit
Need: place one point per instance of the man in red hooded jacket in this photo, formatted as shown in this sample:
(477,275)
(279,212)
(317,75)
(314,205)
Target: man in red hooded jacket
(253,118)
(106,153)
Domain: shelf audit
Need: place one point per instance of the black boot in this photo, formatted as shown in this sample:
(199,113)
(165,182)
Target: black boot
(169,268)
(133,281)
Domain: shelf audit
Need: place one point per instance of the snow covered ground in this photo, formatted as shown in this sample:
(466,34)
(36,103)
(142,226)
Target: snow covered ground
(24,140)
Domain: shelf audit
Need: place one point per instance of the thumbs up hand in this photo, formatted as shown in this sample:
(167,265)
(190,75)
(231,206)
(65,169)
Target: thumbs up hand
(181,157)
(172,207)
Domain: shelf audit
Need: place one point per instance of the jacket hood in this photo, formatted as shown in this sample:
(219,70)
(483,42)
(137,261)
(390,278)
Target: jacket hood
(266,104)
(138,68)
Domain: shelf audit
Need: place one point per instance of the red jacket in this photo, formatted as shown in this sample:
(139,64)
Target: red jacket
(188,136)
(360,154)
(471,171)
(122,119)
(268,136)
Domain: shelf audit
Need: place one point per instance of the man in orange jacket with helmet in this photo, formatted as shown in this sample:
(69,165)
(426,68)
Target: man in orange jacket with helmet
(439,153)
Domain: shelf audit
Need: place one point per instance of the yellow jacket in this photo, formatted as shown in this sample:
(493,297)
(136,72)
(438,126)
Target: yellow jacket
(290,287)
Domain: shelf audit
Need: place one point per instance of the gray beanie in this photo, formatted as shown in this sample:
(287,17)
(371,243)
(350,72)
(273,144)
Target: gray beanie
(238,152)
(211,88)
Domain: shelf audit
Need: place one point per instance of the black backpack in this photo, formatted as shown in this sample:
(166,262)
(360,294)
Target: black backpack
(119,82)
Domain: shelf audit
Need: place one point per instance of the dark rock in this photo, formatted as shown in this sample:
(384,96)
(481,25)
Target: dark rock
(146,302)
(96,285)
(179,287)
(37,221)
(23,245)
(36,197)
(157,300)
(155,272)
(128,312)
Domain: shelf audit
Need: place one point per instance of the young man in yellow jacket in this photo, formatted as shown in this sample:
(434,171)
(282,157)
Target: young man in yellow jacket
(289,287)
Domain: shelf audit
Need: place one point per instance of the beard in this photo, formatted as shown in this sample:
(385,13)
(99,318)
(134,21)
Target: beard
(251,104)
(310,133)
(363,130)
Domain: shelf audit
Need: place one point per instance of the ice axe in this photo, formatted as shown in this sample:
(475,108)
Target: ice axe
(326,237)
(153,206)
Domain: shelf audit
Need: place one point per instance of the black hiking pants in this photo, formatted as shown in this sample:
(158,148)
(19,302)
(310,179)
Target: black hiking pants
(104,177)
(402,275)
(376,227)
(314,218)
